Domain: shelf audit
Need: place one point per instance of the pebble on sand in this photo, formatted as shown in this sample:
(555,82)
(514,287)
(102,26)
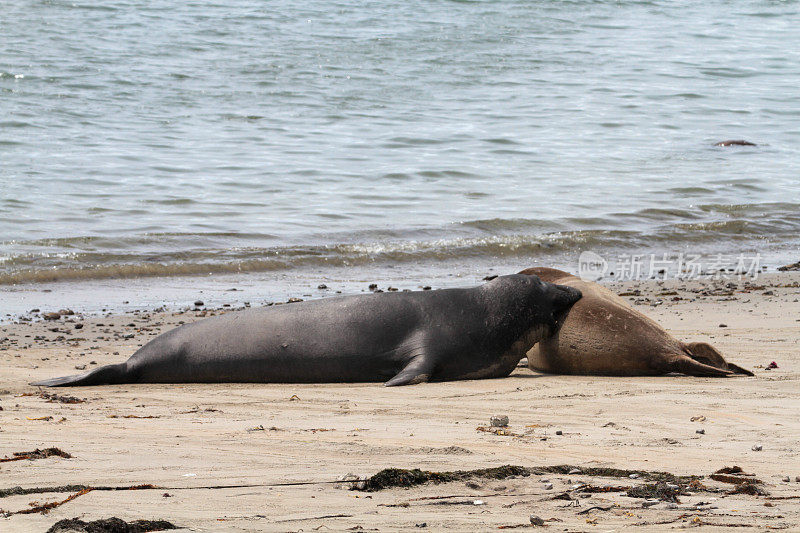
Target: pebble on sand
(499,421)
(757,447)
(536,520)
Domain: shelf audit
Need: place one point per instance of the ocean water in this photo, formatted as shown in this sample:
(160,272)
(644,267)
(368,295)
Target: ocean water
(149,140)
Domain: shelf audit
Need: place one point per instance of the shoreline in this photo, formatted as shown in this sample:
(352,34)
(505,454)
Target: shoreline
(187,436)
(97,297)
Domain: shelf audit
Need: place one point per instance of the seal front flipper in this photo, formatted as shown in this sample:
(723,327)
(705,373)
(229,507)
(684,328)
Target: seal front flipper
(105,375)
(418,370)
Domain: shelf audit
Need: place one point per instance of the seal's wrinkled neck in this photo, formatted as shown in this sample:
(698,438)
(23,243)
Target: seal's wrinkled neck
(530,338)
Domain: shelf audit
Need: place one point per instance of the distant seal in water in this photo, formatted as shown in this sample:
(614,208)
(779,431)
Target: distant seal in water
(410,337)
(738,142)
(603,335)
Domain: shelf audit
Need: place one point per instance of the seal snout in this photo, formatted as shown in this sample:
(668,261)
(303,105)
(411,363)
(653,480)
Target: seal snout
(565,297)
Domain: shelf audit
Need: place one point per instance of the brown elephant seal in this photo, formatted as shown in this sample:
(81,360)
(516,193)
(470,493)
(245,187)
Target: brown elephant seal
(405,337)
(604,336)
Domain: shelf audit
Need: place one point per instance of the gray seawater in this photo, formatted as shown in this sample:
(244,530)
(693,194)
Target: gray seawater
(162,138)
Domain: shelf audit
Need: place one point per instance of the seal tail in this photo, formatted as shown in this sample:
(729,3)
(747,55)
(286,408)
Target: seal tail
(105,375)
(707,354)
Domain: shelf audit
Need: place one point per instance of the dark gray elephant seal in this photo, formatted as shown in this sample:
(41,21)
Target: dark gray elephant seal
(480,332)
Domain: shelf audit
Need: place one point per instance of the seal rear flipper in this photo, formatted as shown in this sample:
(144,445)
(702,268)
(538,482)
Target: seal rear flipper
(105,375)
(707,354)
(686,365)
(418,370)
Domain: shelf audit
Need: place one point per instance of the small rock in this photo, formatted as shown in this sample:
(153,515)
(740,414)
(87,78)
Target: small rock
(634,476)
(548,486)
(757,447)
(51,316)
(723,325)
(349,481)
(672,486)
(478,502)
(80,367)
(650,503)
(574,471)
(559,432)
(322,286)
(672,505)
(797,479)
(293,300)
(700,431)
(373,286)
(423,524)
(536,520)
(426,288)
(66,312)
(499,421)
(473,485)
(78,326)
(199,303)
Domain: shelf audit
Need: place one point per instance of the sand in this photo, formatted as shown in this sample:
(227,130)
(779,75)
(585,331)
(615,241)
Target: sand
(254,439)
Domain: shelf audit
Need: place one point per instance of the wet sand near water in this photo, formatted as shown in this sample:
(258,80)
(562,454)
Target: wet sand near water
(250,440)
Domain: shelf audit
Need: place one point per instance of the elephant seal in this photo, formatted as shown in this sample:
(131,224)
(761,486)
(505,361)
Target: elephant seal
(604,336)
(479,332)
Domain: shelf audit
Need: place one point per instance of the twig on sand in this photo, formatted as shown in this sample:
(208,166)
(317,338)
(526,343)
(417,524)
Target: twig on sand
(314,518)
(45,508)
(596,508)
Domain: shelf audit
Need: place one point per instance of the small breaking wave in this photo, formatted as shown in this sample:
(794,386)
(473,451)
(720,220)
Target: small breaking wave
(712,226)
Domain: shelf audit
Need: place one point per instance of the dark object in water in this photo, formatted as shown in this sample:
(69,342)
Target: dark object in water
(793,266)
(110,525)
(400,477)
(738,142)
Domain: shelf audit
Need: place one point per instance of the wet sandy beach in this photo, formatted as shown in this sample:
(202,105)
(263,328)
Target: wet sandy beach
(273,452)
